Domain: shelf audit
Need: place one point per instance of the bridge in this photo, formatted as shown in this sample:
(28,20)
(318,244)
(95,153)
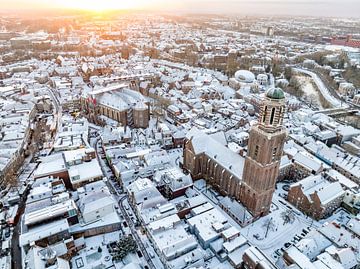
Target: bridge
(339,112)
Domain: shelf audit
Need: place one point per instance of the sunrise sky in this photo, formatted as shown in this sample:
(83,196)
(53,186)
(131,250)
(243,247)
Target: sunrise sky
(348,8)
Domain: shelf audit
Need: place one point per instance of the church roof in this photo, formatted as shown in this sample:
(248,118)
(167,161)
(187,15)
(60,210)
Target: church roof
(213,147)
(275,93)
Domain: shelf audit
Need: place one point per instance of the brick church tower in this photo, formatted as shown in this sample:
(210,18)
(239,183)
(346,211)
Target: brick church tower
(265,147)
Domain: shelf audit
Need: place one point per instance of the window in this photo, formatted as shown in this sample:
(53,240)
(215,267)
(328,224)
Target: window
(274,153)
(280,114)
(256,152)
(272,115)
(264,114)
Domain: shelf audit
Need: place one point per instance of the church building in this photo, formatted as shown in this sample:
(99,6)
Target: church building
(250,180)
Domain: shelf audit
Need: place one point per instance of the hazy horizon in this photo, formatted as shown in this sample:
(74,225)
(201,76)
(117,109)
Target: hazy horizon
(333,8)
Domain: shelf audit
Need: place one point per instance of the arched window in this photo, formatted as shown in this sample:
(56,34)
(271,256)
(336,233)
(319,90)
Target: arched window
(256,151)
(264,114)
(274,153)
(280,114)
(272,115)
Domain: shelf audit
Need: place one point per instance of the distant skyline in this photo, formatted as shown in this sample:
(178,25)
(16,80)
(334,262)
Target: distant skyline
(334,8)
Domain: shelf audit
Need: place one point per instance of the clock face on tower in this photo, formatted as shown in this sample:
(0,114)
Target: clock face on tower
(265,147)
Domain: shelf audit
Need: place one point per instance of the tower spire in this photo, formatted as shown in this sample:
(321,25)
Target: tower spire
(266,142)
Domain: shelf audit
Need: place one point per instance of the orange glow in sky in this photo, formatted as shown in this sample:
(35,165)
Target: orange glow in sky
(336,8)
(87,5)
(102,5)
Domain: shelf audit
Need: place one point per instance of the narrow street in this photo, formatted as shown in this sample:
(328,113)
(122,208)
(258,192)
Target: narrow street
(15,250)
(135,234)
(121,197)
(16,254)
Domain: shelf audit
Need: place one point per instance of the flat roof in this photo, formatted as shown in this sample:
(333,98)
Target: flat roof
(209,223)
(85,171)
(43,231)
(171,237)
(49,166)
(49,212)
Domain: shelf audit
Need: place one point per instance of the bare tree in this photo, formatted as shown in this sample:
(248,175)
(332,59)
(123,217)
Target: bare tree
(269,224)
(288,216)
(158,106)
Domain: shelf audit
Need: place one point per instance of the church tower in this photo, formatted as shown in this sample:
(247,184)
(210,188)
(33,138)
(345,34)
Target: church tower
(265,147)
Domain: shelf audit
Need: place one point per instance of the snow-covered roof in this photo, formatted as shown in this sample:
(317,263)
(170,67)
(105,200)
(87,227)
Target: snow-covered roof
(43,231)
(325,190)
(308,161)
(203,143)
(244,76)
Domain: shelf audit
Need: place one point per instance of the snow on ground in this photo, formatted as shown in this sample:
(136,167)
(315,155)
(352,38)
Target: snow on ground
(323,89)
(215,263)
(340,216)
(311,94)
(278,234)
(176,156)
(91,257)
(150,250)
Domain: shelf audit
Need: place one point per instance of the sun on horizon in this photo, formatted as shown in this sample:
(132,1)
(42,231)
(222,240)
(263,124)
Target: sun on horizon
(102,5)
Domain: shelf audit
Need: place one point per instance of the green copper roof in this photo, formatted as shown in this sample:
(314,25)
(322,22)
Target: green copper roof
(275,93)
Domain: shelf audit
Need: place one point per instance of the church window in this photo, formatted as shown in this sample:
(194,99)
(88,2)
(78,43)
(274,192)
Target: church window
(280,113)
(256,152)
(264,114)
(272,115)
(274,153)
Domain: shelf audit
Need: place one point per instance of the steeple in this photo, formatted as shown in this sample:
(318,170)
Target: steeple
(265,147)
(272,110)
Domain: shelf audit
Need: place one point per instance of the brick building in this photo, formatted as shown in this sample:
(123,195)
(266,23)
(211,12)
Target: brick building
(265,148)
(315,196)
(206,156)
(119,103)
(250,180)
